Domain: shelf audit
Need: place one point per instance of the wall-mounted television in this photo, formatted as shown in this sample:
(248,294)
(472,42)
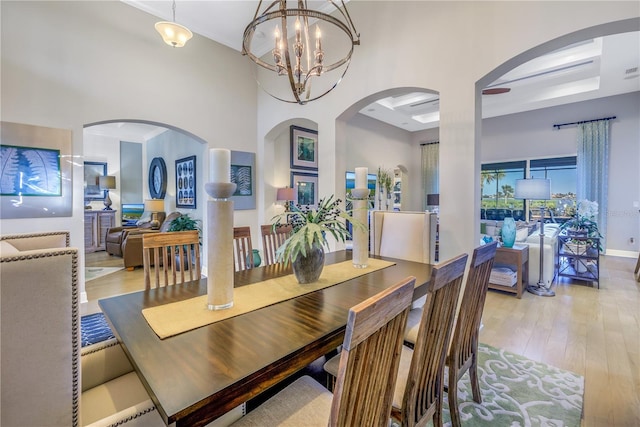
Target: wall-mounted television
(131,213)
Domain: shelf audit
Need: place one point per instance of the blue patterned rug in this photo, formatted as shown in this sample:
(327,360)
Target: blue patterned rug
(94,329)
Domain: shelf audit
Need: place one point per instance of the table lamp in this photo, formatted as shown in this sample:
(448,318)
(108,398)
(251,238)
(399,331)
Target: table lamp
(536,189)
(107,183)
(285,195)
(154,206)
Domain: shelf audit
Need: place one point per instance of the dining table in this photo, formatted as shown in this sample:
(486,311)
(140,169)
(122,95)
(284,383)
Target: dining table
(197,376)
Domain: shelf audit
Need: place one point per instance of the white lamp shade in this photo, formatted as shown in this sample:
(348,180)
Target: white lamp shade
(533,189)
(154,205)
(107,182)
(173,34)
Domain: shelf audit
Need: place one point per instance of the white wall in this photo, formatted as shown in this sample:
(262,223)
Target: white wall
(374,144)
(532,135)
(454,48)
(106,150)
(76,63)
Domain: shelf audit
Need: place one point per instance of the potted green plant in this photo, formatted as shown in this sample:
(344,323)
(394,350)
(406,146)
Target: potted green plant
(584,224)
(186,223)
(305,247)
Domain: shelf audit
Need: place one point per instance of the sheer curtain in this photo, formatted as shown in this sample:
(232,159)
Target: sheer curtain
(593,167)
(430,170)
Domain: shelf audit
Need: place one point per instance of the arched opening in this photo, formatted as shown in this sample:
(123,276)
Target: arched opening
(125,149)
(384,130)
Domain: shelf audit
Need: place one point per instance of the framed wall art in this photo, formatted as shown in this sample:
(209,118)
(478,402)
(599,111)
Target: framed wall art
(92,172)
(305,187)
(243,171)
(304,148)
(186,182)
(36,176)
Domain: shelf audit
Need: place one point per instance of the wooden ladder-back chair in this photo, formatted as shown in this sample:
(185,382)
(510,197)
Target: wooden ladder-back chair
(367,371)
(273,239)
(171,255)
(420,387)
(463,351)
(242,248)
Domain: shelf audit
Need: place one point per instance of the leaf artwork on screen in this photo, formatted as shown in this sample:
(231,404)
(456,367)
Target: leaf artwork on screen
(241,176)
(29,171)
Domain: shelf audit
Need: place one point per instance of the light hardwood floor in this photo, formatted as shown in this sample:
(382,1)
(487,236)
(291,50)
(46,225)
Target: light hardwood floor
(594,333)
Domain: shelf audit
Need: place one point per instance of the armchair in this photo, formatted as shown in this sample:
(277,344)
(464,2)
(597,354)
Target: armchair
(116,235)
(131,246)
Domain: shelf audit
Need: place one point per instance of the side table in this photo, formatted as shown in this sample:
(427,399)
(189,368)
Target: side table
(516,257)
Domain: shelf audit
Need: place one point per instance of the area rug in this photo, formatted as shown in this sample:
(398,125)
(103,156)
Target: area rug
(94,329)
(91,273)
(517,391)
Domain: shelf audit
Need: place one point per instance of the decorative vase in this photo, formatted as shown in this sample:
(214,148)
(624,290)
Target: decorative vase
(254,258)
(508,232)
(307,269)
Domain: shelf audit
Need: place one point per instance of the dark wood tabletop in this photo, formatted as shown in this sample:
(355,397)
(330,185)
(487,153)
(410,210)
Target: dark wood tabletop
(195,377)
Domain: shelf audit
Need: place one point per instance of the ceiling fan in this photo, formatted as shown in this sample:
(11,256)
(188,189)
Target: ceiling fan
(495,90)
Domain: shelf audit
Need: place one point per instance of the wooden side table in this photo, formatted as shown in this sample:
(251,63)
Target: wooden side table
(516,257)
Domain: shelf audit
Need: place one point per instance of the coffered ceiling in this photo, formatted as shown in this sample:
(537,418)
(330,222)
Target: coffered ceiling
(588,70)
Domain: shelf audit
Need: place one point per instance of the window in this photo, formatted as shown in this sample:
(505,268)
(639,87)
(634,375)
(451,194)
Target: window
(498,183)
(562,173)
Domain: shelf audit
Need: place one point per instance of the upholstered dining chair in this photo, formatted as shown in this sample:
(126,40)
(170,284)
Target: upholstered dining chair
(242,248)
(367,371)
(273,239)
(419,389)
(171,254)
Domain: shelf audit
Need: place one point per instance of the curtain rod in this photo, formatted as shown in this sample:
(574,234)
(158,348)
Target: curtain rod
(583,121)
(429,143)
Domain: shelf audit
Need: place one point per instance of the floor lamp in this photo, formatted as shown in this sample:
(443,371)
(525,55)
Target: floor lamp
(536,189)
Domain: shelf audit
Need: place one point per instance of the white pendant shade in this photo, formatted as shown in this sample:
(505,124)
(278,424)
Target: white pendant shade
(173,34)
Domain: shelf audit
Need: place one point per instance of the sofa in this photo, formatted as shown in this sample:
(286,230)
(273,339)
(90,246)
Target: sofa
(529,235)
(130,246)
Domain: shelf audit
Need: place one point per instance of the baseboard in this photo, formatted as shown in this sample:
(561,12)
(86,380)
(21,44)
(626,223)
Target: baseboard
(624,254)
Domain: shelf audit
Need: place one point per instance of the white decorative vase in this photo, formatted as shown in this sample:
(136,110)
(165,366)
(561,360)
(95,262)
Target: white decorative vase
(360,236)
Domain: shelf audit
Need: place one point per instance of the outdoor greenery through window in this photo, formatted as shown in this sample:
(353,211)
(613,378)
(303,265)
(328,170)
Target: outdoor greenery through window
(498,183)
(498,187)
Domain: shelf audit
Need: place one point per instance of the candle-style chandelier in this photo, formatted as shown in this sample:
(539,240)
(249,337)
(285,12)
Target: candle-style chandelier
(297,50)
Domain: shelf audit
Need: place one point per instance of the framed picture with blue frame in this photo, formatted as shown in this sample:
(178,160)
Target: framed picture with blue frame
(305,187)
(186,193)
(304,148)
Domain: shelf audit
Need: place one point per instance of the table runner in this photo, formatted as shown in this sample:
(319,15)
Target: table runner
(175,318)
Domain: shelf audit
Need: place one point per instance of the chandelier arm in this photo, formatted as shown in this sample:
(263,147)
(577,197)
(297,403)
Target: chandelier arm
(285,48)
(345,13)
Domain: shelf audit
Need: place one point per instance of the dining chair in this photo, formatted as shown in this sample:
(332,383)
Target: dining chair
(367,371)
(273,239)
(170,252)
(242,248)
(463,350)
(419,389)
(637,268)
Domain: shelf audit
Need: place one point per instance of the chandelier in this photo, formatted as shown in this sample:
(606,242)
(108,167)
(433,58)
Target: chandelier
(173,34)
(303,69)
